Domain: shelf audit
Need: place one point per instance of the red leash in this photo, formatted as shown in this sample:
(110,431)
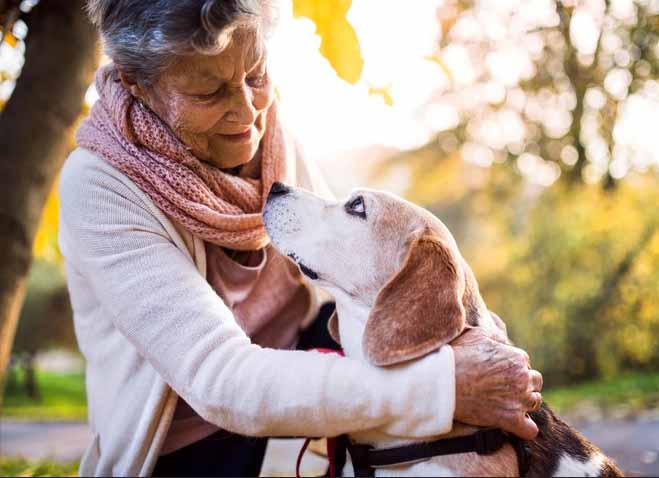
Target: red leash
(331,442)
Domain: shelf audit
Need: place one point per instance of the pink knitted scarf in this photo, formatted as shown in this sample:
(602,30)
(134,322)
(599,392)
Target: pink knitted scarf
(218,207)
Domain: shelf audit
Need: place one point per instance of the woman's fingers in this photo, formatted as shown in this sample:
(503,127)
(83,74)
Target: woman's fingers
(533,402)
(520,425)
(499,393)
(524,357)
(535,379)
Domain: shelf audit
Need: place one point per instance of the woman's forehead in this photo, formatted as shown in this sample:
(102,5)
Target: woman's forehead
(241,55)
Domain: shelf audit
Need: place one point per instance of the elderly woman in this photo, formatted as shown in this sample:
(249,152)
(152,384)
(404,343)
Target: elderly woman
(185,314)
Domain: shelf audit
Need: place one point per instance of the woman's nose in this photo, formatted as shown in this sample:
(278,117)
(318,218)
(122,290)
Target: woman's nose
(242,110)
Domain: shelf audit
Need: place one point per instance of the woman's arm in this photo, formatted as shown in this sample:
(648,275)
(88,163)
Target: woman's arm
(167,310)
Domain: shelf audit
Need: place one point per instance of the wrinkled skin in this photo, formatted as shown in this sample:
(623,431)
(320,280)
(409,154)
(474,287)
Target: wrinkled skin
(490,371)
(209,100)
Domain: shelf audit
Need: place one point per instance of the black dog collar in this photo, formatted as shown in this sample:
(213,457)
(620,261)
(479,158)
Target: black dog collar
(366,458)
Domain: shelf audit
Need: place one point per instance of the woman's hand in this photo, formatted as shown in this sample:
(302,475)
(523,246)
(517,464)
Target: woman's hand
(495,385)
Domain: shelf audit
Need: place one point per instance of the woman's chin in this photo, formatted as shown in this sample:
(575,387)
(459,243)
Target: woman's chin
(231,156)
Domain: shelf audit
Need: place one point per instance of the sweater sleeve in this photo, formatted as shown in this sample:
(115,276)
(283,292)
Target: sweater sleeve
(160,302)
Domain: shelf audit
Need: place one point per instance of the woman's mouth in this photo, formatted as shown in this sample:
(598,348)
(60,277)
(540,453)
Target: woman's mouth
(241,137)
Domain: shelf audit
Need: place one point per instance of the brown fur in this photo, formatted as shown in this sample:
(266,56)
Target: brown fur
(411,315)
(429,296)
(427,304)
(556,439)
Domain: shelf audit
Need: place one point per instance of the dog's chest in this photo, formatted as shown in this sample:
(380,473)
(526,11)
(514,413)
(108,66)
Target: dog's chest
(351,330)
(352,322)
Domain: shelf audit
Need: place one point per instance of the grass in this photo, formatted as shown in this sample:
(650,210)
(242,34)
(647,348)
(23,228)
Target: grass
(62,398)
(634,391)
(20,467)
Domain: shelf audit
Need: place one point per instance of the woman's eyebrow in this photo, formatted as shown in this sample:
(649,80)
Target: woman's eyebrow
(212,75)
(212,78)
(197,80)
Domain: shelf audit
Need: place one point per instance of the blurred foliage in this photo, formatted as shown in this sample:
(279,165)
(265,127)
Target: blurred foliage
(574,272)
(338,40)
(45,243)
(21,467)
(584,271)
(547,84)
(45,320)
(558,220)
(62,398)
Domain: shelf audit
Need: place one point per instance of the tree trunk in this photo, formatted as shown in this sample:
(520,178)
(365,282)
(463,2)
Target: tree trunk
(31,385)
(36,129)
(580,338)
(12,380)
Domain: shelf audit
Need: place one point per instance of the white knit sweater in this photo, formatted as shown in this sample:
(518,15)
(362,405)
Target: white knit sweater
(152,329)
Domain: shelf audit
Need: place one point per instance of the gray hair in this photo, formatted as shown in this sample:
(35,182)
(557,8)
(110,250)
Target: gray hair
(143,37)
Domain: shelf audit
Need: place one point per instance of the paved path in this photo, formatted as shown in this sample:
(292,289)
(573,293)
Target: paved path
(634,444)
(63,441)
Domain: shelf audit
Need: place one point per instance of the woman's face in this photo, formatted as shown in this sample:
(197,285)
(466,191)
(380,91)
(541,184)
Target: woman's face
(216,104)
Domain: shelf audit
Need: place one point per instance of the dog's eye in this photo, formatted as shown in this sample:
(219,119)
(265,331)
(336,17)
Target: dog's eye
(356,207)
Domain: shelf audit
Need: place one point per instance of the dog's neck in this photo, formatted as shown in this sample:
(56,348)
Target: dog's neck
(353,316)
(352,321)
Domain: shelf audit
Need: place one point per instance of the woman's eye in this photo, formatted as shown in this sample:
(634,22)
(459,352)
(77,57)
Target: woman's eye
(211,96)
(208,97)
(356,207)
(258,81)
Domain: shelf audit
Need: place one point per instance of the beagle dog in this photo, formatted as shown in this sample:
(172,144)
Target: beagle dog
(403,290)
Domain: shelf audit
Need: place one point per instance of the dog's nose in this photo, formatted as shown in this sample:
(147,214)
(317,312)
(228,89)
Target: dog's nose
(278,189)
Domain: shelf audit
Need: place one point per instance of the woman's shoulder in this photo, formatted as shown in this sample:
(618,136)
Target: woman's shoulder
(83,170)
(95,196)
(93,193)
(87,179)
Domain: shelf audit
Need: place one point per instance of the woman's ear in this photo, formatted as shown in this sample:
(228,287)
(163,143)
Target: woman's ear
(420,308)
(133,86)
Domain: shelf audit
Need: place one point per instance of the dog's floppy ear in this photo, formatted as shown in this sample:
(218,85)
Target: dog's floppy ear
(420,308)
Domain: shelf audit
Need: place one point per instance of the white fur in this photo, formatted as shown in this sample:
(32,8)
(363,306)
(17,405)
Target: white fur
(353,257)
(571,466)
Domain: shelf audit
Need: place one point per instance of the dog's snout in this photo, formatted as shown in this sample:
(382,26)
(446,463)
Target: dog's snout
(278,189)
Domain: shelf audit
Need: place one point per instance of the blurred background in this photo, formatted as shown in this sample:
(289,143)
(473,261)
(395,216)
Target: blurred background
(530,127)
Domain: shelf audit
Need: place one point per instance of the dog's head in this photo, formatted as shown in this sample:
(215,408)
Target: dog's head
(392,256)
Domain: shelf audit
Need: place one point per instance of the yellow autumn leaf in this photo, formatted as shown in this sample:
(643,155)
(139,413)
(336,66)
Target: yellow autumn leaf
(383,92)
(339,43)
(10,39)
(45,242)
